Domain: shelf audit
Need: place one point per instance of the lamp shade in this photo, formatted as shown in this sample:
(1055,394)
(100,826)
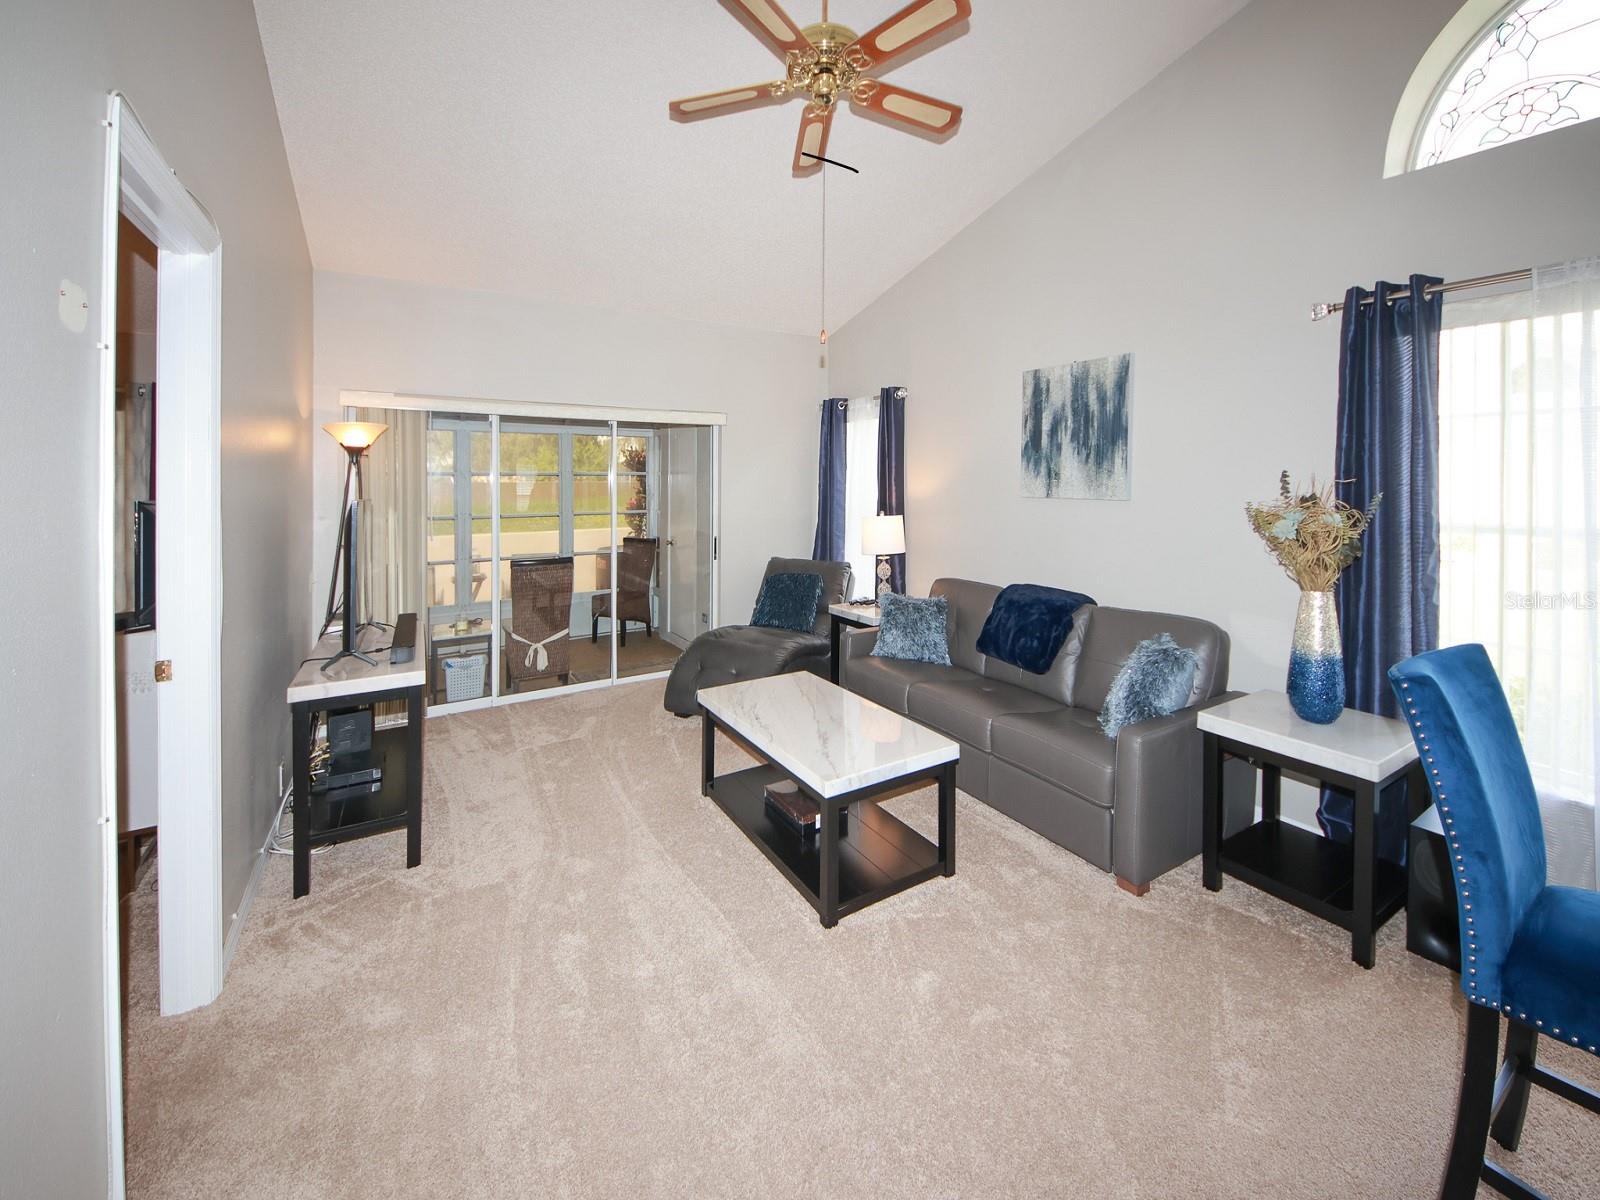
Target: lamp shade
(355,435)
(883,535)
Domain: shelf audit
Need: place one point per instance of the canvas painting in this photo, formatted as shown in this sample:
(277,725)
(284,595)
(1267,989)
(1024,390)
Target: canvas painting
(1075,430)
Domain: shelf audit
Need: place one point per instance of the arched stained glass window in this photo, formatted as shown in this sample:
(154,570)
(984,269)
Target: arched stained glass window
(1535,67)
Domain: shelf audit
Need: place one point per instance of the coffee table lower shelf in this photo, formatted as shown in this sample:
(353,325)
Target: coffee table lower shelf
(878,856)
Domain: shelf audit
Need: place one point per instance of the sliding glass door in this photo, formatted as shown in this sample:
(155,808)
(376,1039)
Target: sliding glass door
(558,553)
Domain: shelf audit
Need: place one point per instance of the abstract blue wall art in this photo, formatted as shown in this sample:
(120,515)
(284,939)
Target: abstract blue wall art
(1075,430)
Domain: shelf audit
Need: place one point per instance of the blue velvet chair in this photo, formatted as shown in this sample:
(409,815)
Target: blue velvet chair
(1530,951)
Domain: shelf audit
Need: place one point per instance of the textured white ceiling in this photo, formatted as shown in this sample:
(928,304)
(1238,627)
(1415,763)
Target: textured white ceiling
(525,147)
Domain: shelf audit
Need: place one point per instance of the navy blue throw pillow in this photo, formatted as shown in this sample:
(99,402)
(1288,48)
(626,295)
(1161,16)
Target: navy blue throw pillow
(788,600)
(1028,625)
(1154,681)
(913,628)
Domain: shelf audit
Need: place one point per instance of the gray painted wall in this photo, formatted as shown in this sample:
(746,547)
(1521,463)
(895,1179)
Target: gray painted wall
(194,71)
(1194,227)
(380,335)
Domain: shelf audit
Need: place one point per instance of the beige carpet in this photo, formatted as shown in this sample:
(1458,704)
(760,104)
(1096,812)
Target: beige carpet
(594,986)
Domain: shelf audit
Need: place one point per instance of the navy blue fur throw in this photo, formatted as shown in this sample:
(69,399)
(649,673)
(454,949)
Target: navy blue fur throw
(1028,624)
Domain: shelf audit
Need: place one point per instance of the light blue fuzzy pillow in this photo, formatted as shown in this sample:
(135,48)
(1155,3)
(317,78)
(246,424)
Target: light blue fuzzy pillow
(1154,681)
(913,628)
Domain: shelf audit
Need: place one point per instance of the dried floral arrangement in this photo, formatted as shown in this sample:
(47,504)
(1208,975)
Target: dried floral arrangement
(1313,536)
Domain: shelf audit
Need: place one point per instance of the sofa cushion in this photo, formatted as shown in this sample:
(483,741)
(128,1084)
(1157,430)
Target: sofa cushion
(835,583)
(1154,682)
(965,708)
(912,628)
(887,680)
(1057,681)
(788,600)
(1110,634)
(1066,747)
(970,603)
(1029,624)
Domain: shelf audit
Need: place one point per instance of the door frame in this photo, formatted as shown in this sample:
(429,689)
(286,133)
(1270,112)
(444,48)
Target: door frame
(140,185)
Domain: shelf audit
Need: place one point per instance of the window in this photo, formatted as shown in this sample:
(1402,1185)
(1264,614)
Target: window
(1519,515)
(1534,67)
(860,490)
(459,534)
(530,493)
(555,498)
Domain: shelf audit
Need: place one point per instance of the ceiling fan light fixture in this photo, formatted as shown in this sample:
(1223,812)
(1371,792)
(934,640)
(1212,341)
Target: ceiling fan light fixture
(827,61)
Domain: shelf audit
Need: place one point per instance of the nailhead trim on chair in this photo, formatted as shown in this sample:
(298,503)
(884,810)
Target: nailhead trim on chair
(1444,809)
(1461,870)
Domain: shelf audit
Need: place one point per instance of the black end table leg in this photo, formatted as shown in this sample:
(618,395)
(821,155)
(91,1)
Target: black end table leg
(1478,1068)
(1271,777)
(1211,835)
(414,782)
(947,817)
(833,649)
(1362,934)
(828,880)
(300,719)
(1522,1045)
(1418,797)
(708,751)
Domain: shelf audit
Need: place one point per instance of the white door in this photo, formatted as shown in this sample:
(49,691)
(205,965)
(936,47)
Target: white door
(684,535)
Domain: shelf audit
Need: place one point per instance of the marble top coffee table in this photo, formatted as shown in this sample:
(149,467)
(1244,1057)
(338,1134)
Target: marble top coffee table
(846,753)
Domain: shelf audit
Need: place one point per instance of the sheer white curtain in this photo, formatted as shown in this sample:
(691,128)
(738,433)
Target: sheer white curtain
(1519,478)
(860,490)
(394,565)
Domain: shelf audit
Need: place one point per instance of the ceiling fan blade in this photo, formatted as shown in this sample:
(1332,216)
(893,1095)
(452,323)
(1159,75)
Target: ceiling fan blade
(714,104)
(813,139)
(907,107)
(772,25)
(908,28)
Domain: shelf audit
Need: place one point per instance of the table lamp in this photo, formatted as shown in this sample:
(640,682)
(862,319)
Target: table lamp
(882,536)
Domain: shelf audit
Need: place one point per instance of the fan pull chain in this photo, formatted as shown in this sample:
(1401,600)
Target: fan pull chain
(823,303)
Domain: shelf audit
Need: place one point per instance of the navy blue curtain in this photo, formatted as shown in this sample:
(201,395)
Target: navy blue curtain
(1389,443)
(892,470)
(828,546)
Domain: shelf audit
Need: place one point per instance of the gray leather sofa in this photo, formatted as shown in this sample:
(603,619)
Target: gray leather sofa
(1032,746)
(753,651)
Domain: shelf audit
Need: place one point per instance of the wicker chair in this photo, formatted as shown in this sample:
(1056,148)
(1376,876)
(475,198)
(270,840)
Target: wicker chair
(636,563)
(536,641)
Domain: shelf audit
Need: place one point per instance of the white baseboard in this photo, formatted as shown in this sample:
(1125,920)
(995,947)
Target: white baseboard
(230,943)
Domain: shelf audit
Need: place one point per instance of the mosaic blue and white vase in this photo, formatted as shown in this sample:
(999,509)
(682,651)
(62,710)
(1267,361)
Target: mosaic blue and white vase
(1316,661)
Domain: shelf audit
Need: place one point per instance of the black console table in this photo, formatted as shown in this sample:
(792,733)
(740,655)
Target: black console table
(352,684)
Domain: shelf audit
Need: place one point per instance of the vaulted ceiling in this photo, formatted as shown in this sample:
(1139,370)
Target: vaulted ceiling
(523,147)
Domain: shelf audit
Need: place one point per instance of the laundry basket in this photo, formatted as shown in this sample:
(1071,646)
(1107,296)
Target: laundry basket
(463,677)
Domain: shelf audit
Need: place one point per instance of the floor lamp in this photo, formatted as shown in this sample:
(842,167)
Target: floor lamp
(355,438)
(882,536)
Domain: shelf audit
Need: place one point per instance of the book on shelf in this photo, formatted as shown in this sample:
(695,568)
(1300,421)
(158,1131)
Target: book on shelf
(798,811)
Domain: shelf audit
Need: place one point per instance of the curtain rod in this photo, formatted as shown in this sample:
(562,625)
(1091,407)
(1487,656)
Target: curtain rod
(1322,311)
(843,400)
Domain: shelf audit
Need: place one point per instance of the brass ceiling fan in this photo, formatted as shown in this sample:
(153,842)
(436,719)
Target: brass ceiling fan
(827,61)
